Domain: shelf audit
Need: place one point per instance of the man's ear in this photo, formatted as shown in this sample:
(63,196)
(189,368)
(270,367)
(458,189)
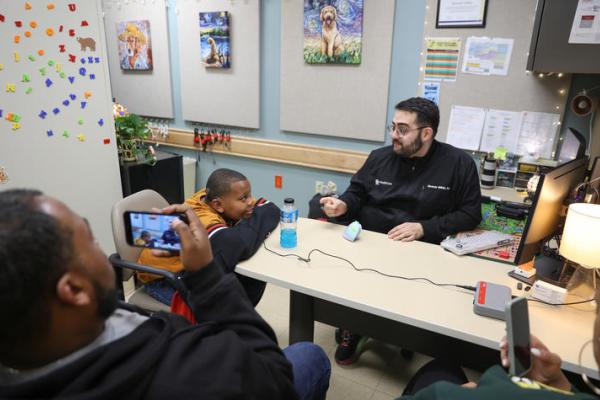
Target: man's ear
(74,289)
(217,205)
(427,134)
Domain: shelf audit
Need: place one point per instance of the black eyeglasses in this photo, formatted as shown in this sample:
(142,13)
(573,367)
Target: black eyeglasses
(403,129)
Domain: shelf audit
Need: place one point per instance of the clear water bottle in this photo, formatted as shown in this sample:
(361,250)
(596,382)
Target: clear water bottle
(288,224)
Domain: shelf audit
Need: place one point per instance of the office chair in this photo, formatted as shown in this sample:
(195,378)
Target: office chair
(125,259)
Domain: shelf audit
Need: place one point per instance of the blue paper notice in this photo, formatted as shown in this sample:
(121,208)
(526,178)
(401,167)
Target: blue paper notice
(431,91)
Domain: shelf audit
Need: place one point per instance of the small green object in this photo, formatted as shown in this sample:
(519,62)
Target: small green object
(80,122)
(16,118)
(25,78)
(31,58)
(500,153)
(51,63)
(43,71)
(65,134)
(62,75)
(29,90)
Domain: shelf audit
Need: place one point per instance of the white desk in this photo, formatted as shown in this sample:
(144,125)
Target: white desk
(420,308)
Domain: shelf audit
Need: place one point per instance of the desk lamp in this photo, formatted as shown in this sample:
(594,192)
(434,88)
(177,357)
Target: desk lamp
(580,244)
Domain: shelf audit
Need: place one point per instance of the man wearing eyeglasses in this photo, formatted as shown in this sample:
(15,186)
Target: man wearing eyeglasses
(415,189)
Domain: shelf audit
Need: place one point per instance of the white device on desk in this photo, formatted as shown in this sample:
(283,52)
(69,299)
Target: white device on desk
(352,231)
(477,242)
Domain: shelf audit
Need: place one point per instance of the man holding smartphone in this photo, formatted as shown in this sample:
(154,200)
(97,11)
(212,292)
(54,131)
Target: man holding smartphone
(64,335)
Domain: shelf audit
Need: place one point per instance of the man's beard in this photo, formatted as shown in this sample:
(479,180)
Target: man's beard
(107,300)
(411,148)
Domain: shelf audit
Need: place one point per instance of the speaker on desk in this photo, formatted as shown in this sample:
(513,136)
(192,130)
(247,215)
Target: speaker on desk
(488,174)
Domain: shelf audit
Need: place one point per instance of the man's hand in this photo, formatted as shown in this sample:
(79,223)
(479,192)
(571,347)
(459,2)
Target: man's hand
(545,365)
(195,246)
(333,207)
(407,232)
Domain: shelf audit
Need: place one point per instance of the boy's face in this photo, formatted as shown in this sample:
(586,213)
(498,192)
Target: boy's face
(237,203)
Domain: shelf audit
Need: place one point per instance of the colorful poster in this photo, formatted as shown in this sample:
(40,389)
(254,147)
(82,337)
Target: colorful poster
(215,47)
(333,31)
(441,60)
(135,45)
(487,56)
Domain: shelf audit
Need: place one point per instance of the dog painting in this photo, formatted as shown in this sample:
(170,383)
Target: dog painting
(135,45)
(333,31)
(214,39)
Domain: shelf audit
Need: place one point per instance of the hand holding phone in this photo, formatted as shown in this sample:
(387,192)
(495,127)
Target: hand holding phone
(517,331)
(545,365)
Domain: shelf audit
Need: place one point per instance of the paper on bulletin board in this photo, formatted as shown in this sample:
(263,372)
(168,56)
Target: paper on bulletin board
(501,129)
(441,60)
(487,56)
(431,91)
(460,12)
(586,23)
(538,134)
(465,127)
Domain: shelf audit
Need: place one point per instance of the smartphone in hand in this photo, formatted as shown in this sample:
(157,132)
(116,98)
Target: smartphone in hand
(152,230)
(519,337)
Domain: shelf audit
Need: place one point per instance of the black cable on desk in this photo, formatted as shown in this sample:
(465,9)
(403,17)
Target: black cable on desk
(418,279)
(425,280)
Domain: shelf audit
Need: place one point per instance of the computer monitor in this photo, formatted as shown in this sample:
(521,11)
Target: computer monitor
(545,213)
(572,147)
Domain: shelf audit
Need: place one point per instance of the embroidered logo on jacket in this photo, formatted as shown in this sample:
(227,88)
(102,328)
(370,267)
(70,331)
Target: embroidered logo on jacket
(380,182)
(438,187)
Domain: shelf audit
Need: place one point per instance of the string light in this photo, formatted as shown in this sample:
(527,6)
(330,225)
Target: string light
(540,75)
(560,74)
(562,92)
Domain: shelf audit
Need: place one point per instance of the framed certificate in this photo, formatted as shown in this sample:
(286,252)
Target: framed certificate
(461,14)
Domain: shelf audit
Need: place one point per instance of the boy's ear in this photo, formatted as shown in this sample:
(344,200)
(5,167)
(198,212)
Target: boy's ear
(217,205)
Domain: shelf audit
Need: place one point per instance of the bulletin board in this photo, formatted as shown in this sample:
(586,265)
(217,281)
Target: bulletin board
(520,90)
(221,96)
(144,92)
(57,129)
(337,100)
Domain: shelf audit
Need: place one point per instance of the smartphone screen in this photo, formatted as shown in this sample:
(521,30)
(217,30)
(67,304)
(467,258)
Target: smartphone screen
(150,230)
(519,346)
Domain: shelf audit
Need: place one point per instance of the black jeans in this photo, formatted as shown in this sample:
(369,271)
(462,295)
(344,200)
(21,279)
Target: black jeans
(435,371)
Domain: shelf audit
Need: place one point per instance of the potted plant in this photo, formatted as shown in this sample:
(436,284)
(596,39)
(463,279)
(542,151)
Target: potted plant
(131,131)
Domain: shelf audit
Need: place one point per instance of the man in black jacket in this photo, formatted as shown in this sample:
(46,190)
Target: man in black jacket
(415,189)
(63,336)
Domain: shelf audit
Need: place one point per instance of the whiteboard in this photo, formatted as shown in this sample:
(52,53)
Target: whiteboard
(221,96)
(137,90)
(337,100)
(82,172)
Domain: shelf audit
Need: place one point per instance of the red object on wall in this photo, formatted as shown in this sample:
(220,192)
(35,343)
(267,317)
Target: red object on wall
(106,141)
(278,181)
(61,47)
(84,23)
(72,7)
(72,58)
(18,24)
(71,32)
(1,18)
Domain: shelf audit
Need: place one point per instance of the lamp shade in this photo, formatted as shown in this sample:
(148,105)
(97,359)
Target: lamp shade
(580,241)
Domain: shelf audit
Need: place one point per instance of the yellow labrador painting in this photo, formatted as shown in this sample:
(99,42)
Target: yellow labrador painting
(333,31)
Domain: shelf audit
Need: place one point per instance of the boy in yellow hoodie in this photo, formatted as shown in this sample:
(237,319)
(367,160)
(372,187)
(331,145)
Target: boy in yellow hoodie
(237,224)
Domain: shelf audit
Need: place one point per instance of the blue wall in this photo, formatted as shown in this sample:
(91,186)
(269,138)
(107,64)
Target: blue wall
(300,182)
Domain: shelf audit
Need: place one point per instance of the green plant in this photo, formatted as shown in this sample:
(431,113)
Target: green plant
(131,131)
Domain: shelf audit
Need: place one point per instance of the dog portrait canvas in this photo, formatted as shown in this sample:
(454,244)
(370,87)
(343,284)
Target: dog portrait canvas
(333,31)
(135,45)
(214,39)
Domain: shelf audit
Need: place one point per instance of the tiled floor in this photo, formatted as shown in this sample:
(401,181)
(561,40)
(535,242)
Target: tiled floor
(380,374)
